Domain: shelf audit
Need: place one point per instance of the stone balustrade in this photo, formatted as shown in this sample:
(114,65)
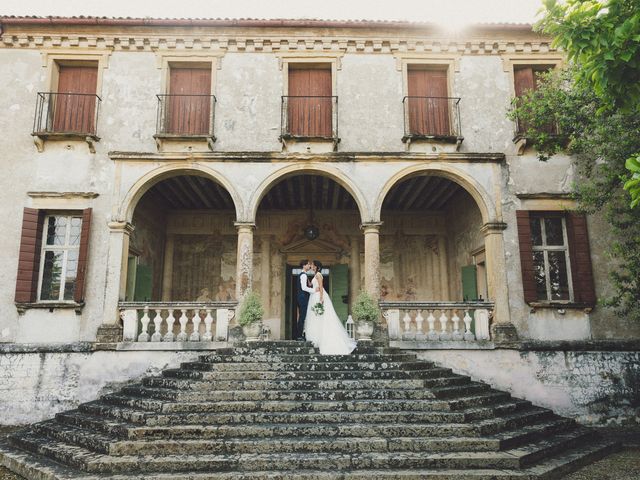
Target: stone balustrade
(176,321)
(438,321)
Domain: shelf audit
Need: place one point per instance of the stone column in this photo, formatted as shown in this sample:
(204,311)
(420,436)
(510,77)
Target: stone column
(354,269)
(502,329)
(265,273)
(244,260)
(167,269)
(116,281)
(372,258)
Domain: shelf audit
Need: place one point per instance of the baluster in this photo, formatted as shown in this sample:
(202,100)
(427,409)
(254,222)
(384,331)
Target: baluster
(223,316)
(169,336)
(457,335)
(349,326)
(208,320)
(157,323)
(431,320)
(144,335)
(419,321)
(468,334)
(195,335)
(407,335)
(182,336)
(444,335)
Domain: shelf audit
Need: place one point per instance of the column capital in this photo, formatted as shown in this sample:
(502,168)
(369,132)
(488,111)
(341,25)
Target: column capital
(122,227)
(370,227)
(493,227)
(244,226)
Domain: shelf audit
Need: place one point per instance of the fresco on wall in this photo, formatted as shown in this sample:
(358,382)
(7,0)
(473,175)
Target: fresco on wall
(147,241)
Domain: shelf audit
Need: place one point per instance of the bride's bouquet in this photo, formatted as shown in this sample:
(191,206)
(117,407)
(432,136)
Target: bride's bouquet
(318,309)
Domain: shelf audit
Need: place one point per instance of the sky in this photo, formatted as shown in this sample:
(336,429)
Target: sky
(448,12)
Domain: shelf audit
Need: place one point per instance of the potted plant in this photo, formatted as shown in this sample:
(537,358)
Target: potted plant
(250,316)
(365,312)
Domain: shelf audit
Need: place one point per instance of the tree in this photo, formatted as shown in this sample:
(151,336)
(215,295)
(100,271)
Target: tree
(603,39)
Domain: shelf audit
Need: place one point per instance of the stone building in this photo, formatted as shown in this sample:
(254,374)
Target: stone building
(157,169)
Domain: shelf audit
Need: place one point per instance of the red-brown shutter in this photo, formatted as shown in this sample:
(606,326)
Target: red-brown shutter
(189,106)
(523,80)
(523,221)
(580,258)
(78,294)
(429,105)
(29,256)
(309,108)
(76,113)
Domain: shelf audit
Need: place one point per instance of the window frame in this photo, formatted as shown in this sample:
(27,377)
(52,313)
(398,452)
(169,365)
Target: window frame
(65,249)
(545,249)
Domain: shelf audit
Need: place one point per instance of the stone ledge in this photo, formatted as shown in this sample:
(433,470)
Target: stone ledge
(77,347)
(441,345)
(169,346)
(618,345)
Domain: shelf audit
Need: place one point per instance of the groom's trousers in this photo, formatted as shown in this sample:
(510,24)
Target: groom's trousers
(303,302)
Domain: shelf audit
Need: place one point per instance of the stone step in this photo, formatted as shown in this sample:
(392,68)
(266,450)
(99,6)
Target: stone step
(309,358)
(304,374)
(310,384)
(302,366)
(415,393)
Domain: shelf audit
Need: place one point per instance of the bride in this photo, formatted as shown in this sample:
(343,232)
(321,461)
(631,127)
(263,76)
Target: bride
(325,329)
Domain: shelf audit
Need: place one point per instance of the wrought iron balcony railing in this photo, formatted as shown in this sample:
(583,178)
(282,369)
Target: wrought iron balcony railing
(309,117)
(432,117)
(66,114)
(185,115)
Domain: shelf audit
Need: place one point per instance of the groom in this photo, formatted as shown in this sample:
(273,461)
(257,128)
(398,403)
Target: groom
(304,291)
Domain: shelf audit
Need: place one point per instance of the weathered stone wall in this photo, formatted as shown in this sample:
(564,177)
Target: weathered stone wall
(595,387)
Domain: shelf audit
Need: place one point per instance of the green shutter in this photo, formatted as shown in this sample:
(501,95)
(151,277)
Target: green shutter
(144,283)
(340,290)
(469,283)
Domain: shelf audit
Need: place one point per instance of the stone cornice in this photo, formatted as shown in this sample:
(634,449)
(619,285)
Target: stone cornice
(280,36)
(296,157)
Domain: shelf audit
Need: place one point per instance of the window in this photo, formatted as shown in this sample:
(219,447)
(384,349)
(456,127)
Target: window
(550,258)
(59,257)
(309,102)
(53,256)
(526,78)
(428,101)
(188,107)
(555,257)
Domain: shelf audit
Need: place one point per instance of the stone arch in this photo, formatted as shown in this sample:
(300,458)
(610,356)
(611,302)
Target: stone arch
(310,168)
(477,192)
(143,184)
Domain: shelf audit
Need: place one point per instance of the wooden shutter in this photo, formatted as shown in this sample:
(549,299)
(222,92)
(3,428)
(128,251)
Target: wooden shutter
(75,113)
(523,80)
(189,105)
(78,294)
(429,110)
(339,276)
(523,221)
(580,258)
(29,256)
(310,105)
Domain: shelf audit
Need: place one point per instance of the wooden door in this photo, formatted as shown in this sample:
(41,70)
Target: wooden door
(309,108)
(188,108)
(428,102)
(75,113)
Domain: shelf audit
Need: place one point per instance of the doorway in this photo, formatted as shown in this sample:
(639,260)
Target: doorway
(336,283)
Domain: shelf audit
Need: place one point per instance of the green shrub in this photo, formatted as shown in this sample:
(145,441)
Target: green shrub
(251,310)
(365,308)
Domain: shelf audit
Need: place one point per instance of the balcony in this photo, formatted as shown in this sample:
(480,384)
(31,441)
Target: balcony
(66,116)
(520,138)
(185,118)
(435,119)
(309,119)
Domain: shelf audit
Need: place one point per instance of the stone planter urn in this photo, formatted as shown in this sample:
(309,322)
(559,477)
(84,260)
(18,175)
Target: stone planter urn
(364,330)
(252,331)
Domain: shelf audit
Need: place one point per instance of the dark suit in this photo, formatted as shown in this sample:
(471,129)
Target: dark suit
(303,302)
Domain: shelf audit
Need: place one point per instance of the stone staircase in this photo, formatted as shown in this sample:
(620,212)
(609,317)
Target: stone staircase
(280,410)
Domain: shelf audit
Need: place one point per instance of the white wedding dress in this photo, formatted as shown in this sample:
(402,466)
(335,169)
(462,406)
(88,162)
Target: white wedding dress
(326,331)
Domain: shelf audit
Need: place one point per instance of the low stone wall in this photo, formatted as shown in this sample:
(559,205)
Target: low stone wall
(594,387)
(35,385)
